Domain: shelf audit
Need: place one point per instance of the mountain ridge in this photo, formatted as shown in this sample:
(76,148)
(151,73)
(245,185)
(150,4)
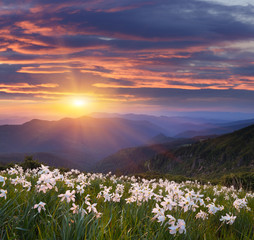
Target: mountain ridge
(84,138)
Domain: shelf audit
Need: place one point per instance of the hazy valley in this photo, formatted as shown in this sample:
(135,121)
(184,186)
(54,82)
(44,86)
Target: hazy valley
(132,144)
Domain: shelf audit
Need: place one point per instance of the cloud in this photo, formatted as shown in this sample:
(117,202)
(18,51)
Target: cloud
(118,50)
(244,70)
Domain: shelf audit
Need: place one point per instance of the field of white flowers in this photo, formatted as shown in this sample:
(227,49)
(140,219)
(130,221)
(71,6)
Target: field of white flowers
(45,204)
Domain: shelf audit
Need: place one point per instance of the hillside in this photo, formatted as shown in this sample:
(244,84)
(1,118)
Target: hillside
(133,160)
(228,153)
(82,140)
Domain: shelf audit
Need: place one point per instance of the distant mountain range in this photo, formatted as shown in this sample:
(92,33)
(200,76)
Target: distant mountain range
(82,142)
(184,127)
(172,125)
(217,130)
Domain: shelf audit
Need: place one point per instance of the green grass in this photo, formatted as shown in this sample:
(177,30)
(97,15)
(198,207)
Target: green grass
(119,220)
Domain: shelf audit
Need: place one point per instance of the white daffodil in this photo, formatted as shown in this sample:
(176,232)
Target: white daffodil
(179,227)
(2,179)
(68,196)
(91,207)
(228,219)
(240,203)
(3,193)
(74,208)
(40,206)
(202,215)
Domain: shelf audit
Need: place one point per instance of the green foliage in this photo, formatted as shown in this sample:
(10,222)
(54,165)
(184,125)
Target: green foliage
(239,180)
(63,169)
(30,163)
(4,166)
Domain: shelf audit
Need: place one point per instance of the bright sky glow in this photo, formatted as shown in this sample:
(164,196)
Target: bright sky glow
(79,102)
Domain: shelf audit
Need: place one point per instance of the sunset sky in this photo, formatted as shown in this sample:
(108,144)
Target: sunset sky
(71,58)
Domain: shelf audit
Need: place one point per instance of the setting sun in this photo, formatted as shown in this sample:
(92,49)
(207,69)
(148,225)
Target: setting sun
(79,102)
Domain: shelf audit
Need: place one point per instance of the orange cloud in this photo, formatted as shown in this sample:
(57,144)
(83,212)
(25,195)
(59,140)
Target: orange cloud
(25,88)
(42,70)
(31,28)
(145,85)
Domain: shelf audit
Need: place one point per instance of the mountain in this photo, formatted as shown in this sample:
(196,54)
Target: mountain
(185,127)
(12,120)
(82,140)
(228,153)
(133,160)
(226,116)
(172,125)
(220,129)
(160,138)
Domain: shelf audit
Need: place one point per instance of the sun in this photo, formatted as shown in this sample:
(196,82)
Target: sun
(79,102)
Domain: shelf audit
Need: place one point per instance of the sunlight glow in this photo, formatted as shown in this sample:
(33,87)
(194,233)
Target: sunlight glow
(79,102)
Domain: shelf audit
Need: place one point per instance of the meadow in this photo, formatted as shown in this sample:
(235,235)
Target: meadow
(45,203)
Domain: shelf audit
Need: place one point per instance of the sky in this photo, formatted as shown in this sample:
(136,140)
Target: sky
(71,58)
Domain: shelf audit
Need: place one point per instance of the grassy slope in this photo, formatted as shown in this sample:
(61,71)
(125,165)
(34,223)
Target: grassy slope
(232,152)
